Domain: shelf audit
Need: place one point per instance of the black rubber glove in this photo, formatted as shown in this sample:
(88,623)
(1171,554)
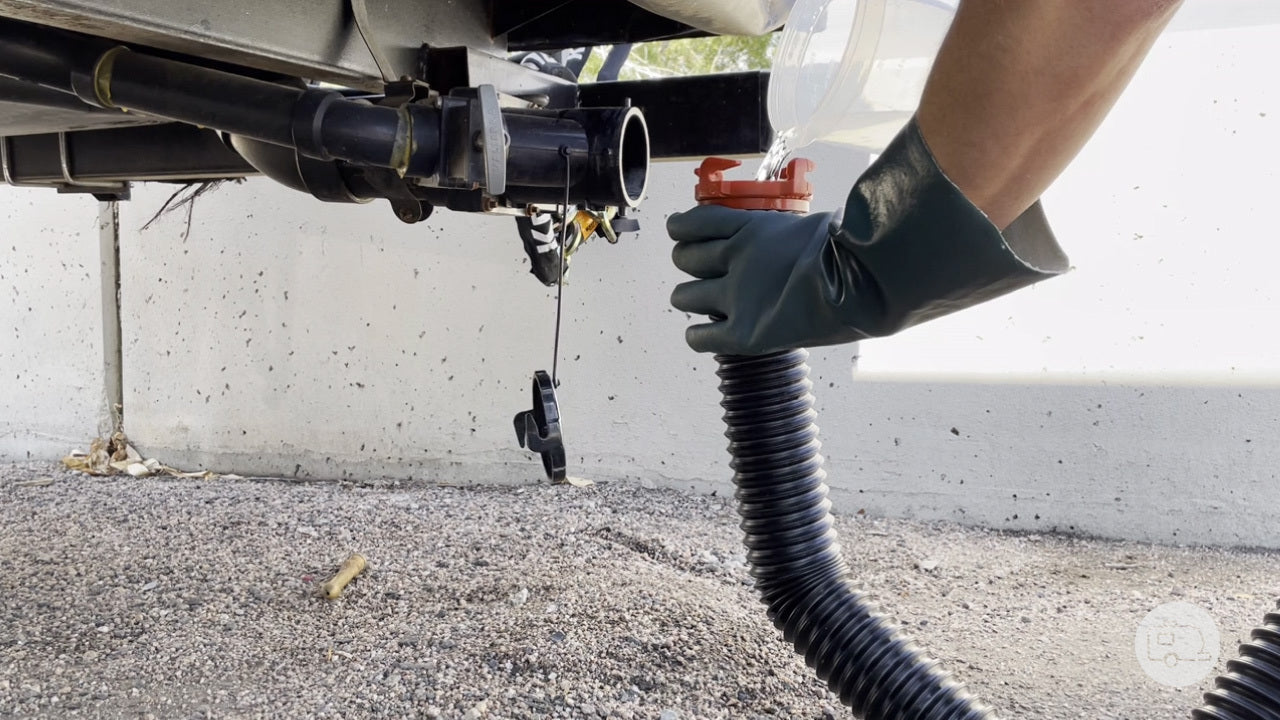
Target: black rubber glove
(910,247)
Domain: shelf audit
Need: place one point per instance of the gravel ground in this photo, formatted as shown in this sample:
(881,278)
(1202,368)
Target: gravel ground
(167,598)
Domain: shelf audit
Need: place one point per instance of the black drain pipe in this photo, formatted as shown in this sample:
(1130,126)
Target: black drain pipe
(607,149)
(134,82)
(320,124)
(45,56)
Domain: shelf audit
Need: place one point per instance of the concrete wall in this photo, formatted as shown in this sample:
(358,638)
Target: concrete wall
(1134,398)
(51,352)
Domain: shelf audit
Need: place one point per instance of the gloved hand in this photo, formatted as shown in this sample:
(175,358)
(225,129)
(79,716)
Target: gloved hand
(909,247)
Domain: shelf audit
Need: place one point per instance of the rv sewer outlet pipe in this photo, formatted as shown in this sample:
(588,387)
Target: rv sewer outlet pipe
(604,152)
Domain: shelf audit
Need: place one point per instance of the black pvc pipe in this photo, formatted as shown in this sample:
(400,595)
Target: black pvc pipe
(197,95)
(536,154)
(796,560)
(30,93)
(327,126)
(46,56)
(618,154)
(320,124)
(326,180)
(606,150)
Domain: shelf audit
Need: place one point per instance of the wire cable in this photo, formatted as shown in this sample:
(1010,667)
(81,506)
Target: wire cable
(564,236)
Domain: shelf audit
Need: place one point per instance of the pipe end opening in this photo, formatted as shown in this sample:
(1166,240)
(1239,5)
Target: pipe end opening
(633,158)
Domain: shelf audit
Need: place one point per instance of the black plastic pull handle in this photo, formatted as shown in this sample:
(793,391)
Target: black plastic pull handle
(539,429)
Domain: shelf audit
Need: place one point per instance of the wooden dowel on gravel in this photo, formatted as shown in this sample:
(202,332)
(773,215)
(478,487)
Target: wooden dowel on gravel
(350,568)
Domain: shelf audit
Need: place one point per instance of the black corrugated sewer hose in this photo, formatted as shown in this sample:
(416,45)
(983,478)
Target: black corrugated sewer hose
(796,561)
(808,587)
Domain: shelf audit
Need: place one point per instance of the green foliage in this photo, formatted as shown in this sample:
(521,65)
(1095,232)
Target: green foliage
(694,56)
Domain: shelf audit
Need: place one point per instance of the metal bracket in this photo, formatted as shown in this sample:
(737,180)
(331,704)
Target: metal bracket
(360,13)
(447,69)
(539,429)
(64,161)
(69,184)
(475,151)
(6,165)
(408,208)
(404,92)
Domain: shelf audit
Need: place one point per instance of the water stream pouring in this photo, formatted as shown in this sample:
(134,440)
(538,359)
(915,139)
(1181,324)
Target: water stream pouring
(851,72)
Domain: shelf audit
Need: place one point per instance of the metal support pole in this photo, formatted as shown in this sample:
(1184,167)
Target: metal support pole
(112,349)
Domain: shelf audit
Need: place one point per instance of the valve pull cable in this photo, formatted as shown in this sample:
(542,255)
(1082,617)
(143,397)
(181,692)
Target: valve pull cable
(564,240)
(539,429)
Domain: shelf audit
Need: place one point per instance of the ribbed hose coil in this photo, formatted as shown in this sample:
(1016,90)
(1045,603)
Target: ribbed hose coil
(1250,688)
(795,557)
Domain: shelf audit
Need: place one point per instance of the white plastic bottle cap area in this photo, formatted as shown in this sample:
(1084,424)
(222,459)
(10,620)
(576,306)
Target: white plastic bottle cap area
(852,71)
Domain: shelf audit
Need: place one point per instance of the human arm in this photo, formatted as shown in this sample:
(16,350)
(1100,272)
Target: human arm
(947,216)
(1019,86)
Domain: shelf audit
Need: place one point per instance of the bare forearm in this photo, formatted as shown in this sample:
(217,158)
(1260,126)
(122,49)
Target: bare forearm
(1019,86)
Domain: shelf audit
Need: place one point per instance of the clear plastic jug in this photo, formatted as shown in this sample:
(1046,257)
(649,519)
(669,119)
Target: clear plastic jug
(852,71)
